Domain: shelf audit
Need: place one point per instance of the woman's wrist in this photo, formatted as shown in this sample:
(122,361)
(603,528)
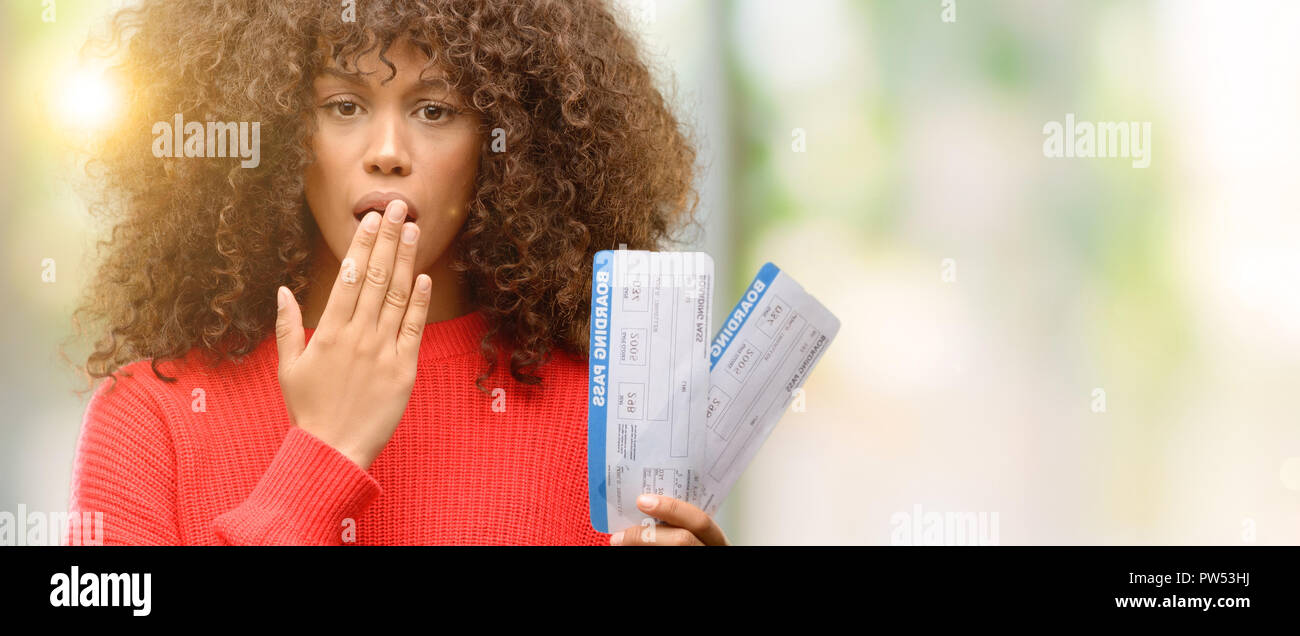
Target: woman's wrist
(359,456)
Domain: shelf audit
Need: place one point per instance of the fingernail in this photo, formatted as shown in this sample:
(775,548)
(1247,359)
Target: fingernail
(423,283)
(279,298)
(646,502)
(396,211)
(616,538)
(408,233)
(371,222)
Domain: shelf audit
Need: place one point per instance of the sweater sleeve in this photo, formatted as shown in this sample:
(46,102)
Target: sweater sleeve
(303,498)
(125,469)
(124,472)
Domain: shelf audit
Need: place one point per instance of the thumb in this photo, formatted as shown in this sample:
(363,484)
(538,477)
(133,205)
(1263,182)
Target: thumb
(288,327)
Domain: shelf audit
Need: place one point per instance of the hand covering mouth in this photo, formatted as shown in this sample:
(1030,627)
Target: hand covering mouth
(378,201)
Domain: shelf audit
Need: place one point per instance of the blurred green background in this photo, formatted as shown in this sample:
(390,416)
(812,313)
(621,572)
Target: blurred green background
(987,293)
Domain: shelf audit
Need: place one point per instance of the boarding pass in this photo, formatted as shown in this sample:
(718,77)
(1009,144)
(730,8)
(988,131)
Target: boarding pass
(649,380)
(669,415)
(762,354)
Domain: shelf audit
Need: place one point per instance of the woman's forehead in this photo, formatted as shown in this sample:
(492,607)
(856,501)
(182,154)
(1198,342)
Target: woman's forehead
(375,56)
(409,66)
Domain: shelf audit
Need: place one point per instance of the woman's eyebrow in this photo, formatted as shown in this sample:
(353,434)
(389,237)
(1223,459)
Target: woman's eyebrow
(351,78)
(436,82)
(355,77)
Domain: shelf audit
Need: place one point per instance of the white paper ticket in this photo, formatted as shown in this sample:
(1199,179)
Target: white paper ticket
(763,352)
(648,381)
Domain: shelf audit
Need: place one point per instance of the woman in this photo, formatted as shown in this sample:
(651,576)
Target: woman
(376,333)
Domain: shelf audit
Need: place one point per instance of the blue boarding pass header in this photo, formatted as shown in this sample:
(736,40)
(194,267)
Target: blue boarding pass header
(736,319)
(597,385)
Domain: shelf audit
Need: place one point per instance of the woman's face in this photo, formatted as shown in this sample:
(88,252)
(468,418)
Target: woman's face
(409,137)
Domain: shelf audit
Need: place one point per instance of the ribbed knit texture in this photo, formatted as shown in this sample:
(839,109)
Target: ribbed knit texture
(213,459)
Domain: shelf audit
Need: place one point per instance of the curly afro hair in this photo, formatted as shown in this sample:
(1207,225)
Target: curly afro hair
(595,159)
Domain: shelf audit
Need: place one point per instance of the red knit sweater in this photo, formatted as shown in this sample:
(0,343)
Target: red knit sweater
(213,459)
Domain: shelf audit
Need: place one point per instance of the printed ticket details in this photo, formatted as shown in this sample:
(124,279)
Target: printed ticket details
(649,373)
(764,350)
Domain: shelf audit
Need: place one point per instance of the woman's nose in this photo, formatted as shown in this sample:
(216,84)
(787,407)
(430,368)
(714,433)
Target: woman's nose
(388,152)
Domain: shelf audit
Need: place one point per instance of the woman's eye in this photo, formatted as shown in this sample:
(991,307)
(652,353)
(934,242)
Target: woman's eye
(433,112)
(342,107)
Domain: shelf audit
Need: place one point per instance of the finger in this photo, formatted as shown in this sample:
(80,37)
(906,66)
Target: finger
(417,312)
(288,327)
(399,291)
(347,285)
(683,515)
(379,271)
(654,534)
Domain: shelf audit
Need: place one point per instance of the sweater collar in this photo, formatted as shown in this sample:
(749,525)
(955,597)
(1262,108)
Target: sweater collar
(445,338)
